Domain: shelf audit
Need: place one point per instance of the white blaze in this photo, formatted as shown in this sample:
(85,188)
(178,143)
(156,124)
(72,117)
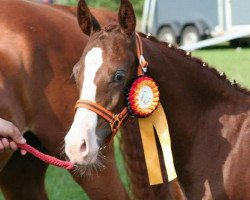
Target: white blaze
(85,121)
(93,61)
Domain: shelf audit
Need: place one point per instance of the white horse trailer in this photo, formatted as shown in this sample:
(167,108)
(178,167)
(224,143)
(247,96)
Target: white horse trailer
(188,21)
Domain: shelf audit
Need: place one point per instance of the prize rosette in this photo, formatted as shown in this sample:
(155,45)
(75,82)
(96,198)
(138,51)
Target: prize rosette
(142,97)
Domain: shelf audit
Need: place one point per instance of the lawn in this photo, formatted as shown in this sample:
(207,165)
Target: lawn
(234,62)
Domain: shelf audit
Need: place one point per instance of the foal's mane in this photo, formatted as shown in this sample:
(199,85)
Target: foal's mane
(220,75)
(215,72)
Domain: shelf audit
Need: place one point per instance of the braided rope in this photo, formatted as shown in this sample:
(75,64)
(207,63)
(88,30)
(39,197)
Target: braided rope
(46,158)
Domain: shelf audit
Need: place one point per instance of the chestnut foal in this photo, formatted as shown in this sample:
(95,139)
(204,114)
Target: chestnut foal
(209,118)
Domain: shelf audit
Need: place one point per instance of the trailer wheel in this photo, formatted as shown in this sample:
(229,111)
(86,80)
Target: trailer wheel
(166,34)
(190,35)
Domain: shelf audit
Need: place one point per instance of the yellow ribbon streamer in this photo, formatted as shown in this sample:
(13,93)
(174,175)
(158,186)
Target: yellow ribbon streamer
(158,121)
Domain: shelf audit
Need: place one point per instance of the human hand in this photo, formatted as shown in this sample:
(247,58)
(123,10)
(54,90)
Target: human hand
(9,130)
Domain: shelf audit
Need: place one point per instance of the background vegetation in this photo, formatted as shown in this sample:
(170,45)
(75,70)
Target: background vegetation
(110,4)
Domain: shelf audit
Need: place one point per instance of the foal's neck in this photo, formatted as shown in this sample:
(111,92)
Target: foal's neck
(192,94)
(189,80)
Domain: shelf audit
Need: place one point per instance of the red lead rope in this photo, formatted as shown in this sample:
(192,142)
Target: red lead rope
(46,158)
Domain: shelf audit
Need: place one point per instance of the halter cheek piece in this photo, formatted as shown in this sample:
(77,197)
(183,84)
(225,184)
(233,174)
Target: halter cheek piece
(115,120)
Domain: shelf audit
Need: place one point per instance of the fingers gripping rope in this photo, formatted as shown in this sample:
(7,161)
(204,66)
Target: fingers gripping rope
(46,158)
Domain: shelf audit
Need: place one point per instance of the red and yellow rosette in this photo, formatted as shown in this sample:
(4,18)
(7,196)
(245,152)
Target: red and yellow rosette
(143,97)
(143,101)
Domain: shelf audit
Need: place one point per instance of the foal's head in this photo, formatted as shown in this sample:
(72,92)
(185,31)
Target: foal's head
(107,64)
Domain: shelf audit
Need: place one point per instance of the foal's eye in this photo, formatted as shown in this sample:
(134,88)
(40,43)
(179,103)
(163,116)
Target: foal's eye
(119,76)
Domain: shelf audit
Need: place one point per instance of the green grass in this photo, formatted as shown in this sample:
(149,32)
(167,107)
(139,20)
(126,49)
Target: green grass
(60,185)
(235,63)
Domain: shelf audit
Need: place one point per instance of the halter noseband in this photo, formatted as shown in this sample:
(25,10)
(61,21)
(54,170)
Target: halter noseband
(115,120)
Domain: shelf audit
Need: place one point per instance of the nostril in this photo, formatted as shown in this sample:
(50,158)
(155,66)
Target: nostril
(83,147)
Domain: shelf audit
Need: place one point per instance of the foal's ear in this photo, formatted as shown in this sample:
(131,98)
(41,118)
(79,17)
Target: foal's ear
(86,20)
(126,17)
